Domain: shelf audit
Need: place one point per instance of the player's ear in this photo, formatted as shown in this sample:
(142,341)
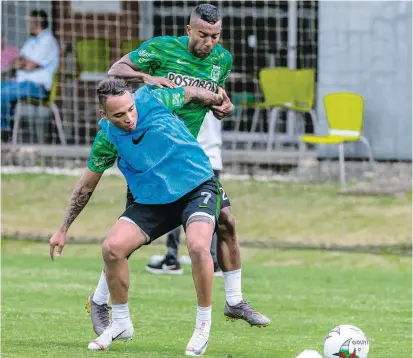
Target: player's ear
(102,113)
(188,29)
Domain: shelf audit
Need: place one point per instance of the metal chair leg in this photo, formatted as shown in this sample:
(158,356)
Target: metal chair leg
(272,127)
(254,124)
(238,120)
(16,125)
(313,117)
(301,149)
(59,125)
(341,160)
(369,152)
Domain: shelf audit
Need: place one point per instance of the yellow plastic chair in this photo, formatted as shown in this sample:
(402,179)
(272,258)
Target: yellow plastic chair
(301,88)
(92,55)
(277,86)
(284,89)
(48,102)
(344,113)
(127,46)
(304,93)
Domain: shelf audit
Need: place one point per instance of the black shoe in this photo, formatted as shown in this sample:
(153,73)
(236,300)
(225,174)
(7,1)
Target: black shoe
(5,136)
(165,267)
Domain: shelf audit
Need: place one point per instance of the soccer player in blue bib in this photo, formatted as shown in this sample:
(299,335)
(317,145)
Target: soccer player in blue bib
(193,60)
(172,182)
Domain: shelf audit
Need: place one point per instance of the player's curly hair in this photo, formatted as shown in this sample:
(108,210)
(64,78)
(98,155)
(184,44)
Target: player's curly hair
(111,87)
(206,12)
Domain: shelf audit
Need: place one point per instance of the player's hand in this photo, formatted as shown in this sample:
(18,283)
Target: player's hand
(160,82)
(226,108)
(57,240)
(18,63)
(219,99)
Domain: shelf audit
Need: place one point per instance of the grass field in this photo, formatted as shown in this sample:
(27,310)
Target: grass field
(265,211)
(306,293)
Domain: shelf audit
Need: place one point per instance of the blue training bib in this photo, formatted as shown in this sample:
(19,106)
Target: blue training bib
(160,158)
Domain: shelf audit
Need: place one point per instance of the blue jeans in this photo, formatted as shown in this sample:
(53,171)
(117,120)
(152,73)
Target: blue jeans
(12,91)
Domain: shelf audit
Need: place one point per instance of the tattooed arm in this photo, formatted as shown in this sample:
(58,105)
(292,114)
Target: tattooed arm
(80,197)
(202,96)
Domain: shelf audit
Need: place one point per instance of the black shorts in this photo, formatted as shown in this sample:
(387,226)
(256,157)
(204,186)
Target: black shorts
(224,197)
(156,220)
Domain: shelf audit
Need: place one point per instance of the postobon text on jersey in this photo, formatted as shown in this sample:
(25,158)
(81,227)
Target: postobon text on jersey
(183,80)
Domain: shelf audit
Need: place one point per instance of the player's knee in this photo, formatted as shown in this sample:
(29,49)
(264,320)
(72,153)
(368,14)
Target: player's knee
(199,230)
(198,238)
(226,224)
(198,247)
(111,251)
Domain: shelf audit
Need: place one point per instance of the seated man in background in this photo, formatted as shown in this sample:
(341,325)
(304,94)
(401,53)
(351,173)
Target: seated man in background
(35,67)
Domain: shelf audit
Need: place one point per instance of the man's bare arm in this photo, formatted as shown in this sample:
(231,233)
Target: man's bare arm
(25,64)
(30,65)
(202,96)
(80,197)
(126,69)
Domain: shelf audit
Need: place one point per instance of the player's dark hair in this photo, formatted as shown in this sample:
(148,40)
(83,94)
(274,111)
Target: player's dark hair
(111,87)
(207,12)
(42,15)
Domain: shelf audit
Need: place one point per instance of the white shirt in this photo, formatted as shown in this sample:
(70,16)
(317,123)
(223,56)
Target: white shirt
(44,50)
(210,139)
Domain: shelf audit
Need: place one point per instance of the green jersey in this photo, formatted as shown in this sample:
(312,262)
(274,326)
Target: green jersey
(168,56)
(103,154)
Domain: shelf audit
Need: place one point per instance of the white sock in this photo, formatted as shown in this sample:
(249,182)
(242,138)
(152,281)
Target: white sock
(120,314)
(203,315)
(101,295)
(232,281)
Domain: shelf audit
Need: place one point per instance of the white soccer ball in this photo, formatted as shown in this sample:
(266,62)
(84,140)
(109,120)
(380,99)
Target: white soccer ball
(309,354)
(346,341)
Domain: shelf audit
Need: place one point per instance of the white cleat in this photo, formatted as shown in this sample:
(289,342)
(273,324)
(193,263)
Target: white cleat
(113,332)
(199,341)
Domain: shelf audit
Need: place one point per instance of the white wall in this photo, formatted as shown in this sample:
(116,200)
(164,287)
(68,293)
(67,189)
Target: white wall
(366,48)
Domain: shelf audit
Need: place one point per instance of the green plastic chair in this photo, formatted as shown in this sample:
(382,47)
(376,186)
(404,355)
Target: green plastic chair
(127,46)
(93,55)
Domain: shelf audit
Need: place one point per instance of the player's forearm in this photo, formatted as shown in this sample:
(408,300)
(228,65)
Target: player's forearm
(202,95)
(30,65)
(80,197)
(123,70)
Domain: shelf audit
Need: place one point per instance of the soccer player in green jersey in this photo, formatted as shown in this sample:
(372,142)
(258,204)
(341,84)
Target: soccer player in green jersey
(194,60)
